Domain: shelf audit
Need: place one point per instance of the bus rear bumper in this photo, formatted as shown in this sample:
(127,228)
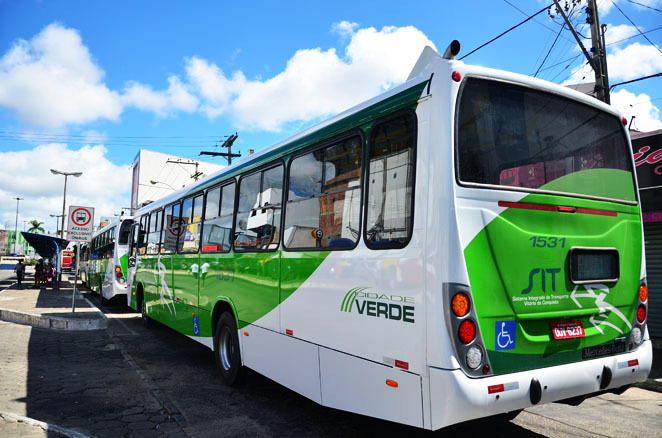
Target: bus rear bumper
(454,397)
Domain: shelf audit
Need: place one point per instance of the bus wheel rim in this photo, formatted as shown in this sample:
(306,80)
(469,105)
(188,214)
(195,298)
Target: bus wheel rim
(226,348)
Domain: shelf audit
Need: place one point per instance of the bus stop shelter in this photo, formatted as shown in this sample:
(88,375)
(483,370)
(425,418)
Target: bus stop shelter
(47,247)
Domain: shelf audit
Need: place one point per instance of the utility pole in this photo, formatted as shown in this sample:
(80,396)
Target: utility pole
(598,58)
(599,51)
(196,175)
(226,144)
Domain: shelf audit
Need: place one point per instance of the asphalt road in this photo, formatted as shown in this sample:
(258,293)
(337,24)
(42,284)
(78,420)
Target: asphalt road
(7,277)
(181,374)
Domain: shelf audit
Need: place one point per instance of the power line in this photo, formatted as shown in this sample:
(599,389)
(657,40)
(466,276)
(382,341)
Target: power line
(550,50)
(503,33)
(637,80)
(101,136)
(643,5)
(634,36)
(610,44)
(635,26)
(526,15)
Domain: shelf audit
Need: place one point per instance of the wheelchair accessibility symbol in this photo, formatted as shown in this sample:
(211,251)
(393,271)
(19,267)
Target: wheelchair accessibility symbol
(505,335)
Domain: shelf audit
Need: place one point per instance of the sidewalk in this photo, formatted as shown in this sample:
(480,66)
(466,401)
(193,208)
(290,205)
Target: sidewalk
(48,307)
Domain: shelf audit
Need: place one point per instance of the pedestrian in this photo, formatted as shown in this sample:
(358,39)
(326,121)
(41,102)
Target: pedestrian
(20,271)
(39,273)
(50,273)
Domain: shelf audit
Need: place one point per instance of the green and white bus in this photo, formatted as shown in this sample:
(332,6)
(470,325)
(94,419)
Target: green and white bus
(105,259)
(464,245)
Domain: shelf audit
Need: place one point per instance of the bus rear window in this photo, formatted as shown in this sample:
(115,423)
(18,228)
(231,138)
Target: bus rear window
(518,137)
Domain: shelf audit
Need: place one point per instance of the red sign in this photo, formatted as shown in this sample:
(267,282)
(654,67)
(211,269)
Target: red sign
(648,159)
(567,329)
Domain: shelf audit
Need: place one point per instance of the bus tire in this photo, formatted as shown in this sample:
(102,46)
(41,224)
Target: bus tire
(147,322)
(226,350)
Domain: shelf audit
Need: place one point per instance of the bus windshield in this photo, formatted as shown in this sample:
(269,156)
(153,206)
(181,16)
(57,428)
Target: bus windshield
(125,230)
(518,137)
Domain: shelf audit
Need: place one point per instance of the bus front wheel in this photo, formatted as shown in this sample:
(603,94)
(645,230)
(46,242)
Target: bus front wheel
(143,311)
(226,350)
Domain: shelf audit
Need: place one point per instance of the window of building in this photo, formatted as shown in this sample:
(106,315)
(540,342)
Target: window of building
(258,212)
(390,183)
(324,197)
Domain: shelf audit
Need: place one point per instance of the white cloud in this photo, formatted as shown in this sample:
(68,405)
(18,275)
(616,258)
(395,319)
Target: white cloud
(634,61)
(647,115)
(211,83)
(345,28)
(26,174)
(616,33)
(315,82)
(52,81)
(604,7)
(162,103)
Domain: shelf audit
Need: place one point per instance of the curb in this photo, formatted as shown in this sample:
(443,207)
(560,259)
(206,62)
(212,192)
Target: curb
(52,322)
(46,427)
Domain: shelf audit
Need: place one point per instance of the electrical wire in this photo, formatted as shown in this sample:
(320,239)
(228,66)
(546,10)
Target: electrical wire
(542,24)
(643,5)
(635,26)
(549,51)
(610,44)
(505,32)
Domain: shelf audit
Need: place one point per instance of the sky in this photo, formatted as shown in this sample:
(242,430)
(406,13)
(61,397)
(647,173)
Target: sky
(85,85)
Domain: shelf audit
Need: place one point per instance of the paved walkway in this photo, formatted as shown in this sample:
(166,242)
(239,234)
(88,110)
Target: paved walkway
(49,307)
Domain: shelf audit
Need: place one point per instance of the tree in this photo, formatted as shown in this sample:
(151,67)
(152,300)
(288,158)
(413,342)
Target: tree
(36,226)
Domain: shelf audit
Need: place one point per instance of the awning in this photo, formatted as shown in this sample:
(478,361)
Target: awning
(45,246)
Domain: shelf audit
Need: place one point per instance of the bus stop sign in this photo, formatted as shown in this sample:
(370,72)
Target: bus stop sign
(80,224)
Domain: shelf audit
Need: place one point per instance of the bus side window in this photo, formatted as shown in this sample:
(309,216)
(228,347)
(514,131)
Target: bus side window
(154,232)
(144,223)
(258,212)
(191,224)
(171,229)
(219,212)
(324,197)
(390,182)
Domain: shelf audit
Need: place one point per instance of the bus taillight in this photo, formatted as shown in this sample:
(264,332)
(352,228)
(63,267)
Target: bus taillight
(467,331)
(118,272)
(643,293)
(641,314)
(460,304)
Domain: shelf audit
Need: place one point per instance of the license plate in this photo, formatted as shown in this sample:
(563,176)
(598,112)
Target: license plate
(567,329)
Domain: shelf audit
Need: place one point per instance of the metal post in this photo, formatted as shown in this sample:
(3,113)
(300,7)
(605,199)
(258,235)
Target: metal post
(64,202)
(16,226)
(73,295)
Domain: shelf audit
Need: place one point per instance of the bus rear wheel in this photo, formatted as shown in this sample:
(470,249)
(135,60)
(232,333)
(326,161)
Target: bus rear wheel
(226,350)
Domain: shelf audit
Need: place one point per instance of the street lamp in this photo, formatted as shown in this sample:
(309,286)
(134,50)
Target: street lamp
(16,225)
(161,182)
(64,198)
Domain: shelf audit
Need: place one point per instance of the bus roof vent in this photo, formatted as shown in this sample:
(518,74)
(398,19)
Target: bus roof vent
(424,59)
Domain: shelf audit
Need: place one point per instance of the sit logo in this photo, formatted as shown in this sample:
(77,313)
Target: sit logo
(547,277)
(393,307)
